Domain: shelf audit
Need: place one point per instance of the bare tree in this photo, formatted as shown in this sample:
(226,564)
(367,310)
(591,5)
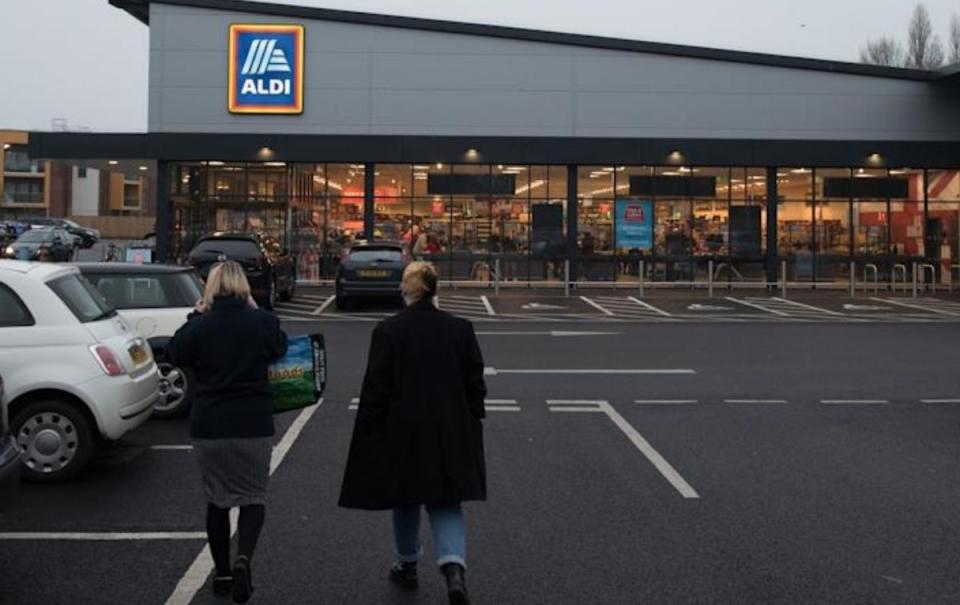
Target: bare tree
(885,50)
(924,49)
(954,40)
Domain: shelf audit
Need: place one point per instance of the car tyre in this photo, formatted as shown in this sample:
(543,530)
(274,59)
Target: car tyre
(56,438)
(176,391)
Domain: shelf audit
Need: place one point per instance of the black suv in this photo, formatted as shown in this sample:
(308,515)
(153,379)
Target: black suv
(271,269)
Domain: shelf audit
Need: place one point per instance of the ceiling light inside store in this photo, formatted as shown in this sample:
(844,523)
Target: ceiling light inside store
(113,162)
(276,164)
(215,163)
(439,166)
(144,168)
(421,167)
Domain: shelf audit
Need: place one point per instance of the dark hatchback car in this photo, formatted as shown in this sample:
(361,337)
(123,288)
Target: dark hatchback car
(85,237)
(270,269)
(42,245)
(370,271)
(9,457)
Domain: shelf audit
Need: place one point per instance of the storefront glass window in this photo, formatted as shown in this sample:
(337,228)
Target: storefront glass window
(943,221)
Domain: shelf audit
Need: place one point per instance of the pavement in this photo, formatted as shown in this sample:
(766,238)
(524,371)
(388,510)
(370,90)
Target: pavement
(629,462)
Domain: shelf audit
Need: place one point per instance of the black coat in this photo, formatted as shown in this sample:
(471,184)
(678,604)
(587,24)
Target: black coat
(229,347)
(418,436)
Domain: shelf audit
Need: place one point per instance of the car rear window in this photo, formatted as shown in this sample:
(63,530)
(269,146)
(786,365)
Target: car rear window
(36,235)
(231,248)
(144,291)
(83,300)
(376,254)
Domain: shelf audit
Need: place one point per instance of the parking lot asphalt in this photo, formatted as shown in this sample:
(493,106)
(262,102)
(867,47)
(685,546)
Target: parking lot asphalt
(629,462)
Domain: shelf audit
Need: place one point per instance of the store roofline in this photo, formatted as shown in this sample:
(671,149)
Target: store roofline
(403,149)
(140,9)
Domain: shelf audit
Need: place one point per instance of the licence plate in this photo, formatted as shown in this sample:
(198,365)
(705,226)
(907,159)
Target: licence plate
(373,273)
(138,353)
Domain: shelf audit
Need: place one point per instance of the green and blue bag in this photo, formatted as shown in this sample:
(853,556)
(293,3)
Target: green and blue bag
(299,377)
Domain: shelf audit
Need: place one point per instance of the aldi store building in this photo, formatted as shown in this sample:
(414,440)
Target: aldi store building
(472,142)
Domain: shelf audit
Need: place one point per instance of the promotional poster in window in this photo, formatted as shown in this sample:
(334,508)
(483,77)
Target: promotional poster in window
(634,220)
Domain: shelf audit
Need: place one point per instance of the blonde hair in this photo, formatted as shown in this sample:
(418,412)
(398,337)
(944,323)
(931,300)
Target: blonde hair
(226,279)
(419,282)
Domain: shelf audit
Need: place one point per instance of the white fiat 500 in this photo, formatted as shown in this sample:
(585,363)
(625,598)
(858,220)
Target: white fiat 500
(155,300)
(73,369)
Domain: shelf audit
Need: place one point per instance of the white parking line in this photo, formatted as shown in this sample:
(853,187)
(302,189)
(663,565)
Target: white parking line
(918,307)
(488,306)
(500,401)
(196,575)
(597,306)
(658,461)
(757,401)
(757,307)
(649,307)
(171,447)
(665,401)
(940,401)
(664,372)
(502,408)
(577,409)
(104,536)
(324,306)
(854,402)
(806,306)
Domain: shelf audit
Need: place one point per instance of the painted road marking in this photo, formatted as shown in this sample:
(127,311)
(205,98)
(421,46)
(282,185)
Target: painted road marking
(105,536)
(196,575)
(807,307)
(917,307)
(651,454)
(554,333)
(324,306)
(488,306)
(940,401)
(699,307)
(757,307)
(649,307)
(665,401)
(756,401)
(171,447)
(666,372)
(854,402)
(597,306)
(502,408)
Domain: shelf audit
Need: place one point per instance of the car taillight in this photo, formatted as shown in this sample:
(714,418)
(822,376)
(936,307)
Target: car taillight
(107,360)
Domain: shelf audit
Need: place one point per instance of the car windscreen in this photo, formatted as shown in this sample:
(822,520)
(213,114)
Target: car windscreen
(148,291)
(35,237)
(367,255)
(83,300)
(231,248)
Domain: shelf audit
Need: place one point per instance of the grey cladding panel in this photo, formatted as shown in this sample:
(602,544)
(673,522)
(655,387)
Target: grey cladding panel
(364,79)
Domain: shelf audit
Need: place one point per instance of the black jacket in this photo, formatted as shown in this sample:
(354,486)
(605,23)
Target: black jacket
(229,347)
(418,436)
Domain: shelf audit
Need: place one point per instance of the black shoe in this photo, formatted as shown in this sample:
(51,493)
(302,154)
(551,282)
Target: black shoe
(242,586)
(456,584)
(404,574)
(222,585)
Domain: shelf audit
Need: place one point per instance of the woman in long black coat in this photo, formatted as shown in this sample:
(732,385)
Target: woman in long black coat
(418,437)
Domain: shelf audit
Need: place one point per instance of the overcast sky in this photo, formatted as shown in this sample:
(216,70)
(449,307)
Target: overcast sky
(85,61)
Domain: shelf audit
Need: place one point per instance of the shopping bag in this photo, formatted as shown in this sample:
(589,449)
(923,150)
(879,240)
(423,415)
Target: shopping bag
(299,377)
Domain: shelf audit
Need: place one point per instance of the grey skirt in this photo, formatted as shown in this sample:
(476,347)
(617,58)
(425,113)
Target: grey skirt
(235,471)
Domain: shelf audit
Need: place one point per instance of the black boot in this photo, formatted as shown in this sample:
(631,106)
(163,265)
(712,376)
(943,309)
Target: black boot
(242,580)
(222,585)
(405,574)
(456,584)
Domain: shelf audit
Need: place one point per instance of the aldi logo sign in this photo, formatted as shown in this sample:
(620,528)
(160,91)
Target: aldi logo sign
(266,69)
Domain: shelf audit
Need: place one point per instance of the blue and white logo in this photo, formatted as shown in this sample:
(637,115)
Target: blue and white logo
(266,68)
(264,56)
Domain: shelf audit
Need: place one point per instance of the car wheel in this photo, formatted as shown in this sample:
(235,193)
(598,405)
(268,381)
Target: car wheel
(176,391)
(56,439)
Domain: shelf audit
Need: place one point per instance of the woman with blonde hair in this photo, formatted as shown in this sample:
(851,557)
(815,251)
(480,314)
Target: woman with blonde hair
(229,343)
(418,437)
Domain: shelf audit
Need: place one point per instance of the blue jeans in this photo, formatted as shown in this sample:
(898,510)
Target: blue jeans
(449,538)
